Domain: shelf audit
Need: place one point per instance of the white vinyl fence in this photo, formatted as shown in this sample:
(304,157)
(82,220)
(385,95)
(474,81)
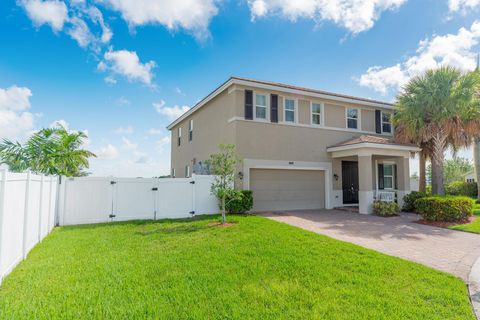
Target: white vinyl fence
(27,215)
(96,200)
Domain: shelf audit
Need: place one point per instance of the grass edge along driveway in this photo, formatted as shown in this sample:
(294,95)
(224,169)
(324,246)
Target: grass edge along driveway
(473,227)
(186,269)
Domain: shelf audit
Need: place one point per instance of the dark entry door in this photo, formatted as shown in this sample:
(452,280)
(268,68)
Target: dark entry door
(350,182)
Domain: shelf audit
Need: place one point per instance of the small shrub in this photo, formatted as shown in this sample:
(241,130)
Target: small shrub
(409,200)
(385,209)
(240,204)
(447,208)
(462,188)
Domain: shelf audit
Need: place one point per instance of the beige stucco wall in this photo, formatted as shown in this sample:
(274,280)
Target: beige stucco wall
(334,116)
(368,120)
(222,121)
(304,111)
(210,128)
(273,141)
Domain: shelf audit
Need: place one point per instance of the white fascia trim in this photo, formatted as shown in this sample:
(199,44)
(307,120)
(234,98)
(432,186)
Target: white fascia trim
(374,145)
(274,88)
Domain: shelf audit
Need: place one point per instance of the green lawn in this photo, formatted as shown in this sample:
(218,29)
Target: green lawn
(471,227)
(256,269)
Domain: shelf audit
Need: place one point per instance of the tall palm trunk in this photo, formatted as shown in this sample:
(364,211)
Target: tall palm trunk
(476,159)
(438,154)
(422,180)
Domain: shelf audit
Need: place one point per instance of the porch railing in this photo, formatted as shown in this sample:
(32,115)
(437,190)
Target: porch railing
(386,196)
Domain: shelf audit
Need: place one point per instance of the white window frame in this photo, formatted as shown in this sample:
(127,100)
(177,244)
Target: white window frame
(190,131)
(390,176)
(322,112)
(267,107)
(187,171)
(358,118)
(179,138)
(295,110)
(382,122)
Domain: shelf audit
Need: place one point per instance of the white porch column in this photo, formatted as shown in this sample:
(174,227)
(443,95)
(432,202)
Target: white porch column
(365,183)
(403,176)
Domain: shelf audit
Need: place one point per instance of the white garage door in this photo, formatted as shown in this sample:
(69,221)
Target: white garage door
(276,190)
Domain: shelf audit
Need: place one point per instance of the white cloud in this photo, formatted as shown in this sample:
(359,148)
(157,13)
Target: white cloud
(60,122)
(80,32)
(154,132)
(15,120)
(462,5)
(191,15)
(50,12)
(128,145)
(127,64)
(110,80)
(163,142)
(15,98)
(456,50)
(107,152)
(124,130)
(170,112)
(122,101)
(354,15)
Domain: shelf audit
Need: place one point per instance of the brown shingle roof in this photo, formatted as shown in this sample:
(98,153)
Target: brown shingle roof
(370,139)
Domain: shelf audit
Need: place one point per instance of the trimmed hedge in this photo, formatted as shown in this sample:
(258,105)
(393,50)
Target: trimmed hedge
(409,200)
(385,209)
(242,204)
(462,188)
(447,208)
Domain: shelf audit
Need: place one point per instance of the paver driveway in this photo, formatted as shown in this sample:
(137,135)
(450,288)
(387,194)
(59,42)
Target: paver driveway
(447,250)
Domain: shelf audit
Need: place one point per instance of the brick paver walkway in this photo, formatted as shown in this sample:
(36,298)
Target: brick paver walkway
(446,250)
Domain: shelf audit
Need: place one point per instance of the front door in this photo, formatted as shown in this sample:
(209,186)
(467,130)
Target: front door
(350,182)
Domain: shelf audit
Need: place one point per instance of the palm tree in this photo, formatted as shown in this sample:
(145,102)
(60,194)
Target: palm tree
(53,151)
(476,145)
(438,109)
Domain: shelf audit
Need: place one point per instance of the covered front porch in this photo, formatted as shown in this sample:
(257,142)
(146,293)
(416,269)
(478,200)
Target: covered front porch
(369,168)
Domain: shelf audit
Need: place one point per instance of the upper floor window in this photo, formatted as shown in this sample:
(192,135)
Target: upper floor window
(386,122)
(316,114)
(352,118)
(179,142)
(173,172)
(289,110)
(190,130)
(260,106)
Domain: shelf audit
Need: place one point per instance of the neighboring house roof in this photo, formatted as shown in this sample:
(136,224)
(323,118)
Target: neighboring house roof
(371,141)
(268,85)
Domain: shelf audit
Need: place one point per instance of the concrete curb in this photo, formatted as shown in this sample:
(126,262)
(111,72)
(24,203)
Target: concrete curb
(474,287)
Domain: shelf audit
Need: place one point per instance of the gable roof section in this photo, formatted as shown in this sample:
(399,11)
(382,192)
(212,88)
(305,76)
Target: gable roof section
(268,85)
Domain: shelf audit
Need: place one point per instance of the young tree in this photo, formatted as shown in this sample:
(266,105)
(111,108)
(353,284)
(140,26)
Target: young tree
(439,109)
(224,165)
(54,151)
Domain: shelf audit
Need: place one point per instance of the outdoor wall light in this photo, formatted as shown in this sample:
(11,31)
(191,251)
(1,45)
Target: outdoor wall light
(240,175)
(335,176)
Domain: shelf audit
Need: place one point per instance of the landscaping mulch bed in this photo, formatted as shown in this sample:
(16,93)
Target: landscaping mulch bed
(443,224)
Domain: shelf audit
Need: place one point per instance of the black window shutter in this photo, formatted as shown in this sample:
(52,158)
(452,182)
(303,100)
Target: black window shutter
(274,108)
(395,176)
(380,177)
(378,121)
(249,104)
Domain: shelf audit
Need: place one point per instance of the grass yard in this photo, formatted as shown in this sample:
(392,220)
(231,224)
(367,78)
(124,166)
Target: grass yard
(471,227)
(256,269)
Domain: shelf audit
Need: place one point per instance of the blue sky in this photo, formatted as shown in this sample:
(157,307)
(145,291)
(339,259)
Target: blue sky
(123,69)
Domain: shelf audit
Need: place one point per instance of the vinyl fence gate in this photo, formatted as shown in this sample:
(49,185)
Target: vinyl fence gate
(97,200)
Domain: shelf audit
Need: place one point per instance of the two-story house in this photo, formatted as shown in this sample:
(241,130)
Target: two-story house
(301,148)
